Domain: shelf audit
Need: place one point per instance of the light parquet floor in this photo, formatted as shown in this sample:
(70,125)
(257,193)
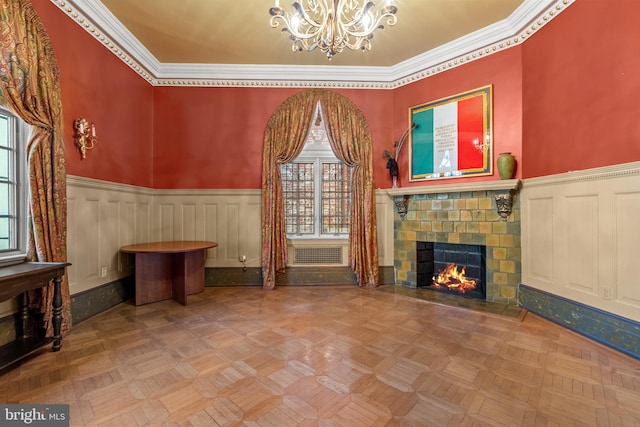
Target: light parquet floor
(326,356)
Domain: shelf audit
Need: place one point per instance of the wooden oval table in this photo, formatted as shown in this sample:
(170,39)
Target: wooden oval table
(166,270)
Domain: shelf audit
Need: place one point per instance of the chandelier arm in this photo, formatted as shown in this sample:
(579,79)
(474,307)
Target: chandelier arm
(376,24)
(335,24)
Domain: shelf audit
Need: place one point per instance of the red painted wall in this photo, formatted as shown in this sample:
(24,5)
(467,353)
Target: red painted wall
(98,86)
(502,70)
(581,89)
(213,137)
(564,100)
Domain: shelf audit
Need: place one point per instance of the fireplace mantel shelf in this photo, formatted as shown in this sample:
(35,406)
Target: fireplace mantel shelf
(504,200)
(507,184)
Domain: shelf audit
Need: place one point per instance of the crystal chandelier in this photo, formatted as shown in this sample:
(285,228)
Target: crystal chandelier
(332,25)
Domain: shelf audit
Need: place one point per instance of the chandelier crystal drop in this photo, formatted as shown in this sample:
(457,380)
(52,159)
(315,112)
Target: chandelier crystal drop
(332,25)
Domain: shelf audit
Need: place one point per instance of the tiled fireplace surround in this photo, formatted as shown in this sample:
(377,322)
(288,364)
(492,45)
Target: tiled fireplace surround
(461,213)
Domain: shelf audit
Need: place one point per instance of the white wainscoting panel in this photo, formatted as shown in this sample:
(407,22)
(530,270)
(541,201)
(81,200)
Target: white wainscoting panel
(104,216)
(580,234)
(627,268)
(385,210)
(581,270)
(540,232)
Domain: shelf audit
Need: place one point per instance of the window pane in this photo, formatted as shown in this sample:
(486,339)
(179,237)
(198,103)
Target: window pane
(298,191)
(9,209)
(4,164)
(5,202)
(4,131)
(336,198)
(5,243)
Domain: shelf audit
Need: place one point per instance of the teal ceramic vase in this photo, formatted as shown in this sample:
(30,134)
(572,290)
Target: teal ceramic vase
(506,165)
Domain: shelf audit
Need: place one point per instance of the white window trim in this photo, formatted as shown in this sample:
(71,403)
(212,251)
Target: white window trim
(20,133)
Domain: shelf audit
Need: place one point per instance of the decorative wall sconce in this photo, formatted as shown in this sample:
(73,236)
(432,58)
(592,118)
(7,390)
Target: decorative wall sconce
(85,135)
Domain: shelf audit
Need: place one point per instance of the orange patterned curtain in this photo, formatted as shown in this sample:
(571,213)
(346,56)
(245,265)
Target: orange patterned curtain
(29,85)
(350,139)
(283,140)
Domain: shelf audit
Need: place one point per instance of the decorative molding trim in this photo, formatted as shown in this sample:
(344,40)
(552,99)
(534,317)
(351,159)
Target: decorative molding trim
(507,184)
(594,174)
(402,205)
(98,21)
(504,202)
(96,184)
(83,182)
(209,192)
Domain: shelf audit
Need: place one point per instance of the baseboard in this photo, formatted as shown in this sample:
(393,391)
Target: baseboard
(609,329)
(302,276)
(96,300)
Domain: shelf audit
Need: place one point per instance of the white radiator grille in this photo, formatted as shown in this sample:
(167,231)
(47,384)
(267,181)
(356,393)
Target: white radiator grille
(311,256)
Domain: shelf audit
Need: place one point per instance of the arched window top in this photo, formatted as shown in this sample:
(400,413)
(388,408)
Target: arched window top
(317,143)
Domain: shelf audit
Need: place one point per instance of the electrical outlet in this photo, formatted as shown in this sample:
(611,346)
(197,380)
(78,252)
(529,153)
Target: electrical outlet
(604,293)
(103,272)
(243,258)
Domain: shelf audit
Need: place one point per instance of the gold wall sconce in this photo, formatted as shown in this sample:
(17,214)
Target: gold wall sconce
(85,135)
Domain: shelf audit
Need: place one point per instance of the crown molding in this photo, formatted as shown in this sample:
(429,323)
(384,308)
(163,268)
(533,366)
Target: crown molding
(98,21)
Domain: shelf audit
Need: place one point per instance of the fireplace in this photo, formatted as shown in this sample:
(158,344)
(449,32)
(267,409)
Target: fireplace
(466,213)
(458,269)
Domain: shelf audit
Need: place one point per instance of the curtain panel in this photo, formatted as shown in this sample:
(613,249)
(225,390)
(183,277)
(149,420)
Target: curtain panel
(350,138)
(29,86)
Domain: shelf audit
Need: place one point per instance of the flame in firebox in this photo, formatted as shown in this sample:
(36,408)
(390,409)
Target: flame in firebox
(453,279)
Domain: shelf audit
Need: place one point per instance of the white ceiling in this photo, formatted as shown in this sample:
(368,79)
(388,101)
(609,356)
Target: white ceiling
(193,41)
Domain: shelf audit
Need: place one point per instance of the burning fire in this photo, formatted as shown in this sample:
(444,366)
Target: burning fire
(451,278)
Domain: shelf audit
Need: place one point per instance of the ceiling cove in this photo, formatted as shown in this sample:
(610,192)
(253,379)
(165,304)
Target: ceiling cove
(99,22)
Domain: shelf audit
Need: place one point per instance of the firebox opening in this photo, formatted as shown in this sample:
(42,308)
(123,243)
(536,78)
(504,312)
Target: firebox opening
(458,269)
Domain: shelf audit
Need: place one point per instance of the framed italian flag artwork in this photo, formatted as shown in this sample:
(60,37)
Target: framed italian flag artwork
(452,137)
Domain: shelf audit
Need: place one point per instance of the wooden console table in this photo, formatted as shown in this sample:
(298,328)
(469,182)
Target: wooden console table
(167,270)
(18,279)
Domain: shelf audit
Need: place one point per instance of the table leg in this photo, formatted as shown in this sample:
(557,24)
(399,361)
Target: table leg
(57,313)
(153,277)
(24,315)
(188,275)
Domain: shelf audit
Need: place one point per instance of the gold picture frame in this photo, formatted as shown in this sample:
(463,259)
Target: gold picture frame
(452,137)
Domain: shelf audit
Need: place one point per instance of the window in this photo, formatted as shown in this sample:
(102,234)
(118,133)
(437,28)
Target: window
(13,191)
(316,188)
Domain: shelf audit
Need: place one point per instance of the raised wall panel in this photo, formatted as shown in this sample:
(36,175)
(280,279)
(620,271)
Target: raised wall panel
(252,247)
(73,247)
(167,222)
(540,244)
(384,221)
(231,250)
(143,223)
(188,222)
(90,222)
(627,254)
(127,234)
(581,243)
(210,229)
(110,240)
